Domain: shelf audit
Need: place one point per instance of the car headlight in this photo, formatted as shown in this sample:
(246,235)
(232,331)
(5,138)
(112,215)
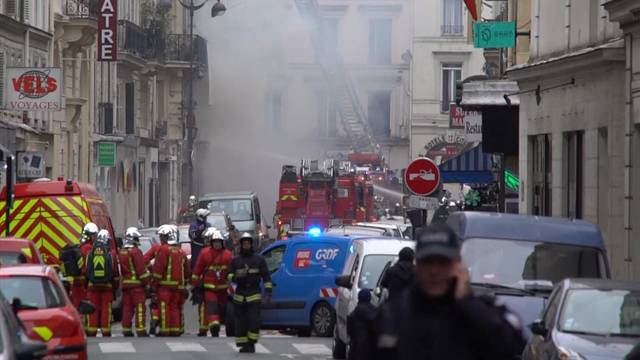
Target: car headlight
(568,354)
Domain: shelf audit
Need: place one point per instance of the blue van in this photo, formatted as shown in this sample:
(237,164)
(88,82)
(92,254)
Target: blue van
(303,271)
(519,258)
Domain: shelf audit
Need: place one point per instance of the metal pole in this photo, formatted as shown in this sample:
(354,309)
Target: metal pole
(190,117)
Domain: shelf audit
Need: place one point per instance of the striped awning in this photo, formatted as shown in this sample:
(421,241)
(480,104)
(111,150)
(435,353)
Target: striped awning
(471,167)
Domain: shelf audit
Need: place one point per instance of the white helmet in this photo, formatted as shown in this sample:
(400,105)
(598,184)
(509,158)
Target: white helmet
(201,214)
(171,232)
(211,234)
(104,237)
(90,229)
(132,233)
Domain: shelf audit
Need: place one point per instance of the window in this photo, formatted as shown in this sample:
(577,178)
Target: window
(274,110)
(574,157)
(450,74)
(549,315)
(129,108)
(33,291)
(237,209)
(452,17)
(380,41)
(273,258)
(372,267)
(327,115)
(541,180)
(379,113)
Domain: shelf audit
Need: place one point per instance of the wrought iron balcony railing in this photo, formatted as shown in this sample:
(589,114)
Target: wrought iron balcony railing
(81,8)
(178,49)
(132,38)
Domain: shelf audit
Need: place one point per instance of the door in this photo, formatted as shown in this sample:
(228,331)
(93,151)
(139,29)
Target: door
(271,313)
(344,297)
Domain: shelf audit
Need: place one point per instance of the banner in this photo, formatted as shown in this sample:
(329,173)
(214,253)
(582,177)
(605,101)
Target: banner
(107,30)
(37,89)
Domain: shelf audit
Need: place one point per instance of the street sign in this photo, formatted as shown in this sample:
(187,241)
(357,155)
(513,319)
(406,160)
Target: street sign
(422,176)
(425,203)
(494,34)
(106,153)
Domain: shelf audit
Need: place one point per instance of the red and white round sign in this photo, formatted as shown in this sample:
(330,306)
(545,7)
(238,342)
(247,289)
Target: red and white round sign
(422,176)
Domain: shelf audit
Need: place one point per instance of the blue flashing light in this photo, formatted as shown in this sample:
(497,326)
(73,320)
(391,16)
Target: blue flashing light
(315,231)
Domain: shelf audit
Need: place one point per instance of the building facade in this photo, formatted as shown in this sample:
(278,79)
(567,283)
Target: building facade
(442,55)
(577,133)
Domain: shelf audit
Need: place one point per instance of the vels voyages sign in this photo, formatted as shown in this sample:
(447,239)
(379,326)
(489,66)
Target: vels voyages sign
(38,89)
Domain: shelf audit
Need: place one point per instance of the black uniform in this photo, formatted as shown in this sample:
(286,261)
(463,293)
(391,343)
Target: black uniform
(400,275)
(413,326)
(359,329)
(196,231)
(247,270)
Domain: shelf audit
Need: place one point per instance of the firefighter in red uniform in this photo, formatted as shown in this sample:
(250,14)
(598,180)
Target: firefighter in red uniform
(210,272)
(148,257)
(170,274)
(79,283)
(103,279)
(134,278)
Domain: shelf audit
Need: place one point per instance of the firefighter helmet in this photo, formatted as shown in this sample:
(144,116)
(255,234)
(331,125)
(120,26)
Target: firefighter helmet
(132,233)
(201,214)
(90,229)
(246,237)
(104,237)
(212,234)
(168,233)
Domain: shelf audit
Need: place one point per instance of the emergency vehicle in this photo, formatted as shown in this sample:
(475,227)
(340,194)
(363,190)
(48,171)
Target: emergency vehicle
(52,213)
(322,194)
(303,271)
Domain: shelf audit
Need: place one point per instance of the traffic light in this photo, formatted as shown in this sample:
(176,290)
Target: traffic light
(459,87)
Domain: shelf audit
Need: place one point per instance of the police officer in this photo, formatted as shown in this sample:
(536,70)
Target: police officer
(247,270)
(438,317)
(401,274)
(196,234)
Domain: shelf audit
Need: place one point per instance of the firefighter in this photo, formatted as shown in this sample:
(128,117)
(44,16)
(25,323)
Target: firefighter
(196,229)
(211,273)
(163,233)
(246,271)
(79,283)
(103,281)
(170,273)
(134,279)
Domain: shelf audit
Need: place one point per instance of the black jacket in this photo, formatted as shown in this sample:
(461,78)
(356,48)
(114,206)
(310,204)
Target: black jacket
(247,270)
(359,324)
(413,326)
(398,277)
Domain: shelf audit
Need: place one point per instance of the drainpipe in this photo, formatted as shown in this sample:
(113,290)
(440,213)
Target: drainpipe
(567,23)
(628,132)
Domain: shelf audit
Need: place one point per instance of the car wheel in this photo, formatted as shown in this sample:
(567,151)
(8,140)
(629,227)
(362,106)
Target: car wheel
(339,348)
(323,319)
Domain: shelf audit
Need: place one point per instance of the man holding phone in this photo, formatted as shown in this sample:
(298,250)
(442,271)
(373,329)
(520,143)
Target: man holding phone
(439,317)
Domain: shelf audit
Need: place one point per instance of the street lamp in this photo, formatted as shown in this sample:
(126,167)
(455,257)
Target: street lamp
(218,9)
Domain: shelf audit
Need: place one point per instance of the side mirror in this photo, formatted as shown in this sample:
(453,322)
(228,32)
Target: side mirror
(538,327)
(344,281)
(86,308)
(30,350)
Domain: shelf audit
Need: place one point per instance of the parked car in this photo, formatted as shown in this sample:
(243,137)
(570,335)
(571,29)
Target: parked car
(45,310)
(587,319)
(222,221)
(351,230)
(393,230)
(519,258)
(14,343)
(303,271)
(368,257)
(244,210)
(13,249)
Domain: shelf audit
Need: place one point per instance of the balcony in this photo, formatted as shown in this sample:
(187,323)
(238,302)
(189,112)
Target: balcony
(132,40)
(178,50)
(83,9)
(79,25)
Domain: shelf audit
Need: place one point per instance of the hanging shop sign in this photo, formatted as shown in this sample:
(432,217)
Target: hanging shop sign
(37,89)
(107,30)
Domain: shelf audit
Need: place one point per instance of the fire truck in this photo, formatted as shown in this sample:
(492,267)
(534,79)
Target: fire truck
(322,194)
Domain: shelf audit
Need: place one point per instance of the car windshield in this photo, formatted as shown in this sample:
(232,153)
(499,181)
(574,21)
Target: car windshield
(218,221)
(145,244)
(528,264)
(372,267)
(238,209)
(601,312)
(33,291)
(11,257)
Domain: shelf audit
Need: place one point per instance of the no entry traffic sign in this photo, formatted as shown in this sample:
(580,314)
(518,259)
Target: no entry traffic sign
(422,176)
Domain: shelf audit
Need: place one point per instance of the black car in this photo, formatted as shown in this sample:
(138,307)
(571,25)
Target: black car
(587,319)
(14,344)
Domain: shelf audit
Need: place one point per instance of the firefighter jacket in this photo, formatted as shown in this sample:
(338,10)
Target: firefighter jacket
(115,279)
(171,267)
(212,266)
(132,267)
(246,271)
(152,253)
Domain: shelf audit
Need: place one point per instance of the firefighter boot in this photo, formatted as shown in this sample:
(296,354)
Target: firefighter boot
(215,330)
(248,348)
(142,334)
(202,333)
(127,334)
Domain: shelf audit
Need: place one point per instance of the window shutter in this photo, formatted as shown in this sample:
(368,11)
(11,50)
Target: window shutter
(11,8)
(27,12)
(2,67)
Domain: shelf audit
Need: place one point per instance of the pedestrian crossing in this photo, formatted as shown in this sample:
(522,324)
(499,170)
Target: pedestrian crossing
(108,348)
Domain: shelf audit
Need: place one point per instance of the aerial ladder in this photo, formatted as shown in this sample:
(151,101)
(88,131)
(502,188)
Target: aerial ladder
(340,84)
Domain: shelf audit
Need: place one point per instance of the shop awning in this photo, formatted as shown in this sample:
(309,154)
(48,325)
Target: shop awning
(471,167)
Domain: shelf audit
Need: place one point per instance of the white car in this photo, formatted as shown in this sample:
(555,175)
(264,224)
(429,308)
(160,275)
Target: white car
(368,258)
(393,230)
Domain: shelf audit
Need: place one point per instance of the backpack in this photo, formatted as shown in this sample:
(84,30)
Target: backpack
(100,264)
(71,259)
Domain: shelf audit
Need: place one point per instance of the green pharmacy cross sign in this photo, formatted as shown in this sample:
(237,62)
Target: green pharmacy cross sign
(511,180)
(494,34)
(106,153)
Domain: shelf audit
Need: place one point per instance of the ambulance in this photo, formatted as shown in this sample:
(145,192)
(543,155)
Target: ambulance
(52,213)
